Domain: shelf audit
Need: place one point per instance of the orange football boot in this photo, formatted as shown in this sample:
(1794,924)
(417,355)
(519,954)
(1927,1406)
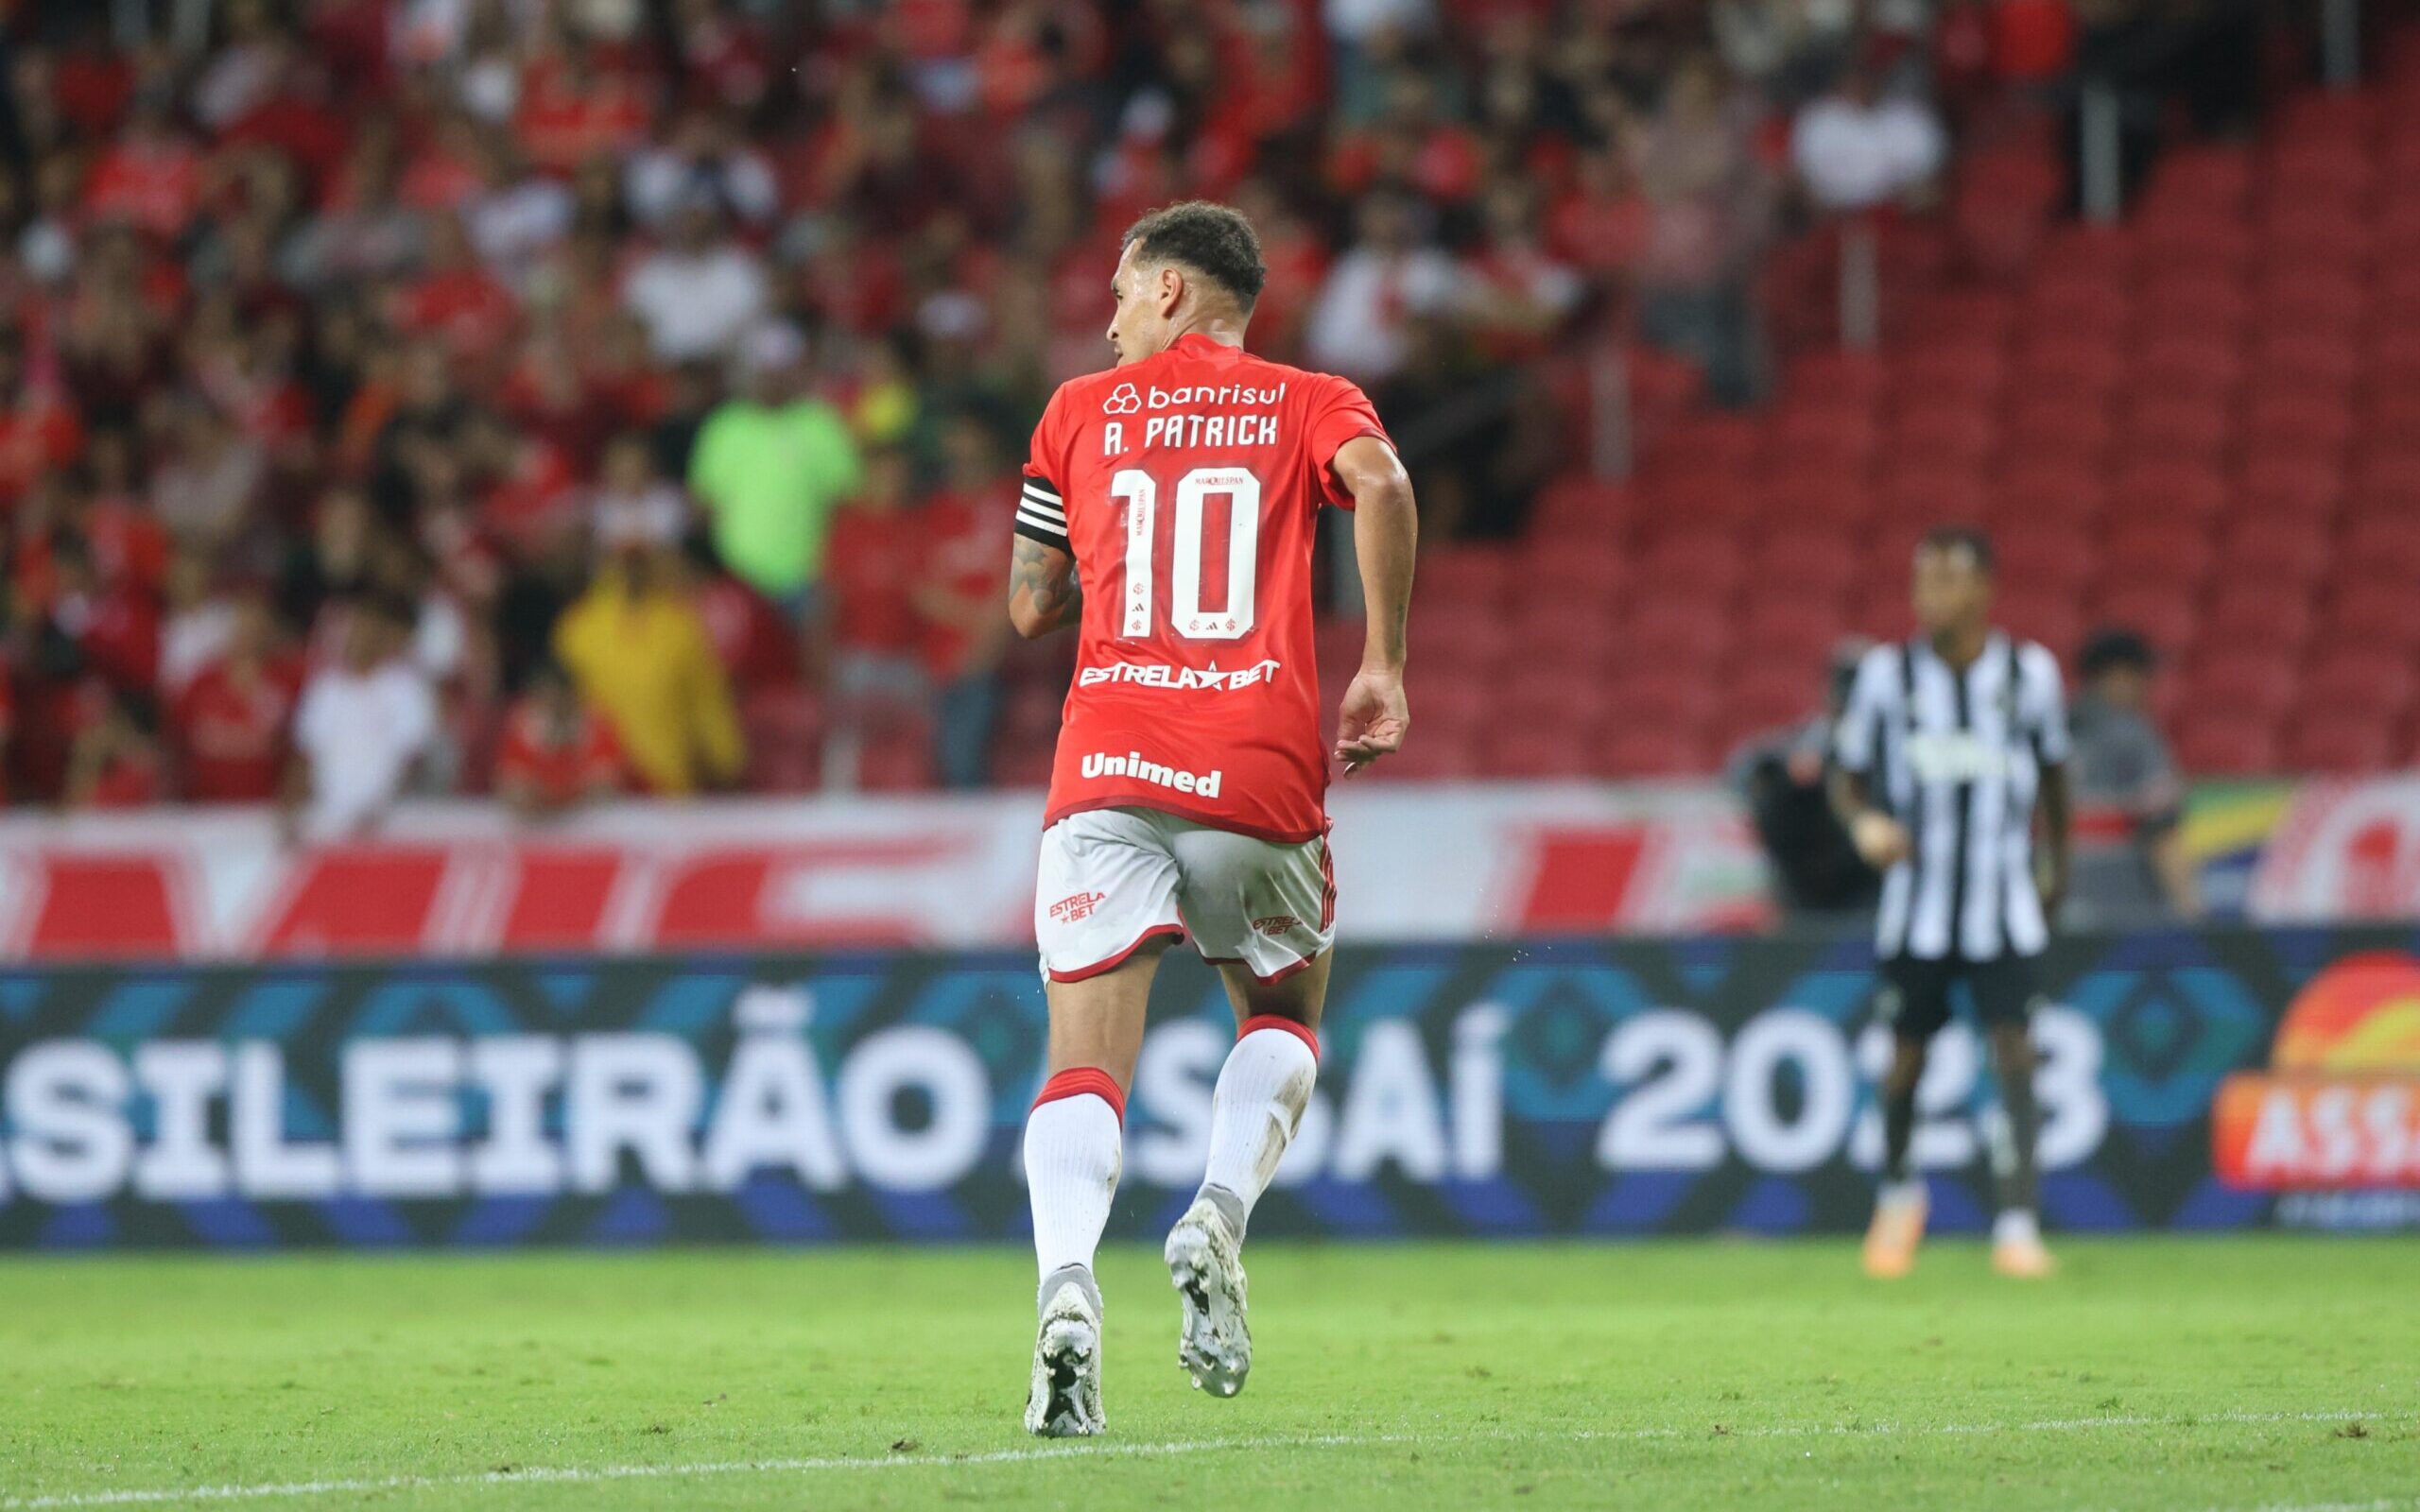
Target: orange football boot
(1891,1240)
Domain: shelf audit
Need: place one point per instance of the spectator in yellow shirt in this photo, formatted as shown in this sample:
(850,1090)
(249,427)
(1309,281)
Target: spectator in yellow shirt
(640,654)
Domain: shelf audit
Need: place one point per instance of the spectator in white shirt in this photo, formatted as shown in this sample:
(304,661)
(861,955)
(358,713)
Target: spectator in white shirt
(1854,148)
(707,155)
(1359,324)
(697,293)
(362,727)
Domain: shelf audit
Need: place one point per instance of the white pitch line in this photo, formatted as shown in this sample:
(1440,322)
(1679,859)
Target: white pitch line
(2404,1503)
(580,1475)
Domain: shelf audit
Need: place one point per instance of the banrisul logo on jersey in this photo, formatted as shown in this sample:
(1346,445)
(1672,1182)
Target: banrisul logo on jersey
(1550,1088)
(2335,1118)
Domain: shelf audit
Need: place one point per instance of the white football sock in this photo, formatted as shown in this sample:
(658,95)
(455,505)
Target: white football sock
(1073,1147)
(2016,1225)
(1258,1105)
(1901,1193)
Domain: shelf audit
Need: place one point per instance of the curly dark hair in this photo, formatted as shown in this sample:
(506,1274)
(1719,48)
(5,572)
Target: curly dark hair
(1968,539)
(1209,239)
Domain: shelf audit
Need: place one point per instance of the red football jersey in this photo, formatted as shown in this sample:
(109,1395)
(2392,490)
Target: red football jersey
(1187,487)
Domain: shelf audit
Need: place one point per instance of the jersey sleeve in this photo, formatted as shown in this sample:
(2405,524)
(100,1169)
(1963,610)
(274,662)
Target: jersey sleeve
(2048,714)
(1341,414)
(1857,738)
(1041,507)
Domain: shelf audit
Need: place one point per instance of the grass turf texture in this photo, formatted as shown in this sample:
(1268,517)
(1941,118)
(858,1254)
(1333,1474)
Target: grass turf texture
(2269,1372)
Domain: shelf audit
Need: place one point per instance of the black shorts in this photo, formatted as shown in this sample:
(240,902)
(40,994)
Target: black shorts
(1913,1000)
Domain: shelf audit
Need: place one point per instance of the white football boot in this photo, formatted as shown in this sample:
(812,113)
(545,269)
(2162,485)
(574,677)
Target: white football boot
(1206,1264)
(1064,1400)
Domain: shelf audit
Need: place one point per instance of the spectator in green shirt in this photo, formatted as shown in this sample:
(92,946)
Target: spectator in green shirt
(769,467)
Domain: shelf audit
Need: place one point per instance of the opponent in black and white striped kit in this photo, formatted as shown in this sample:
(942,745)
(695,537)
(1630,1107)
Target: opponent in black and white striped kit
(1951,755)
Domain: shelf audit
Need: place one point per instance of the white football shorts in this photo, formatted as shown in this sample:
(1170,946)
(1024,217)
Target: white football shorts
(1112,879)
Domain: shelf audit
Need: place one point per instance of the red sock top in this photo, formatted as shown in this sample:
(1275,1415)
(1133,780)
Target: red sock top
(1295,1027)
(1085,1081)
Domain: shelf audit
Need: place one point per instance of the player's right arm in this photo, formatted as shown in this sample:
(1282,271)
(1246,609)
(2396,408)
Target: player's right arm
(1043,592)
(1386,533)
(1881,839)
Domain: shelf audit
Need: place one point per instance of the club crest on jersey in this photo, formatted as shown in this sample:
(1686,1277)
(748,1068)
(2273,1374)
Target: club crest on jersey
(1101,764)
(1123,400)
(1078,907)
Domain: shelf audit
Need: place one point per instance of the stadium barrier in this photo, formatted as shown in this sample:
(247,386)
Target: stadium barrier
(1573,1087)
(1454,860)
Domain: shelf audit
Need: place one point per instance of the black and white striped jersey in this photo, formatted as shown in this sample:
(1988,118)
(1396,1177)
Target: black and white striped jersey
(1958,758)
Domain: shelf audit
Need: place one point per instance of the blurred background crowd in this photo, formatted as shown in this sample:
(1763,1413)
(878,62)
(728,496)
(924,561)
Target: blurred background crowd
(564,397)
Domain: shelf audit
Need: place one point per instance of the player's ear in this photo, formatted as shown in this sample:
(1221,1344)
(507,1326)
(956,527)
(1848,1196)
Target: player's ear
(1171,283)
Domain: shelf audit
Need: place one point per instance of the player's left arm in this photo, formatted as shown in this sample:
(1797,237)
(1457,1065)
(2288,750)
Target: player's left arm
(2056,806)
(1386,537)
(1044,591)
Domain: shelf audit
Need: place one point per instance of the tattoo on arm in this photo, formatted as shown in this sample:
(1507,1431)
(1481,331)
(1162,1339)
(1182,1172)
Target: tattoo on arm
(1043,588)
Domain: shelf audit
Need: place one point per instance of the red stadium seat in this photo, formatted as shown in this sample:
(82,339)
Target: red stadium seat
(2193,303)
(1797,563)
(1973,369)
(2160,614)
(2045,557)
(1949,431)
(1822,499)
(2309,423)
(1631,749)
(2338,744)
(2168,491)
(2380,613)
(2371,680)
(1712,440)
(2257,611)
(2055,623)
(1576,506)
(1849,374)
(2071,365)
(2056,427)
(2384,544)
(784,727)
(1536,753)
(2252,683)
(2048,488)
(2226,744)
(2193,238)
(2296,489)
(2183,426)
(1789,630)
(1685,629)
(1706,563)
(2321,166)
(2302,359)
(1568,569)
(2387,482)
(2272,547)
(2318,233)
(1922,495)
(1536,695)
(2209,180)
(1481,576)
(2198,361)
(2086,302)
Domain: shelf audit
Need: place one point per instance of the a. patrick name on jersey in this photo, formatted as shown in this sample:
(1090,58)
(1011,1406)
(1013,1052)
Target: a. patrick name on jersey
(1162,675)
(1193,429)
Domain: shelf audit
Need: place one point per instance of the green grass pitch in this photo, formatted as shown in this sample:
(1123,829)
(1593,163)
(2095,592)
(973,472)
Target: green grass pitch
(2191,1374)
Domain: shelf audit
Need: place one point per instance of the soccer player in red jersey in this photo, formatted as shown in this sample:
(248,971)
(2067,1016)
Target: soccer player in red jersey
(1168,513)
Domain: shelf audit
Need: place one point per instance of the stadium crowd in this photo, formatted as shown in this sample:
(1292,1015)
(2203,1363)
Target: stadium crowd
(530,393)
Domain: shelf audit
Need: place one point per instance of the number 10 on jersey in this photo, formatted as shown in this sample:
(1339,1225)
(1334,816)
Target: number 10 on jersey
(1186,615)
